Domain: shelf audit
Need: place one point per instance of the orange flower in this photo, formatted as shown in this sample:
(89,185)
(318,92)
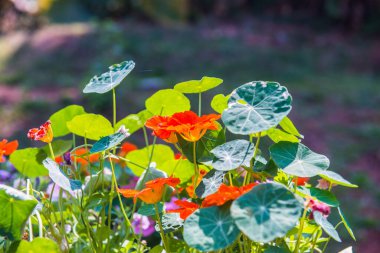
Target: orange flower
(83,157)
(301,180)
(7,148)
(226,193)
(187,124)
(126,147)
(43,133)
(186,208)
(153,191)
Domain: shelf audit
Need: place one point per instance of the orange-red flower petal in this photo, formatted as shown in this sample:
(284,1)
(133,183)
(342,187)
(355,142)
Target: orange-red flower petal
(7,148)
(186,208)
(44,133)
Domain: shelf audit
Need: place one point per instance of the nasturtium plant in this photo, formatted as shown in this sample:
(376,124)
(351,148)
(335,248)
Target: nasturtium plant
(235,182)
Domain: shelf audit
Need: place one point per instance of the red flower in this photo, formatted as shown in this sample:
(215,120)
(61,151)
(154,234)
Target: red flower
(301,180)
(43,133)
(126,147)
(187,124)
(83,156)
(7,148)
(315,205)
(185,210)
(153,191)
(226,193)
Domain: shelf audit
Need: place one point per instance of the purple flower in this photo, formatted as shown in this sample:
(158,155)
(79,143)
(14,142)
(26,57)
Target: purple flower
(171,205)
(67,158)
(143,225)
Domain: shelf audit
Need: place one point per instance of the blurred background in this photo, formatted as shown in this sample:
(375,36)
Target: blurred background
(327,52)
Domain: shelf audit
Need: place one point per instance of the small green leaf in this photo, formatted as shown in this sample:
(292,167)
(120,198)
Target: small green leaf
(198,86)
(277,135)
(256,106)
(90,126)
(38,245)
(219,103)
(266,212)
(167,102)
(149,209)
(134,122)
(180,168)
(161,153)
(326,225)
(59,177)
(232,155)
(27,162)
(16,207)
(59,147)
(298,160)
(346,224)
(324,196)
(110,79)
(335,178)
(210,183)
(61,117)
(289,127)
(209,229)
(108,142)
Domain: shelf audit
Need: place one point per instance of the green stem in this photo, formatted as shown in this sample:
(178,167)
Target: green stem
(60,206)
(51,151)
(200,104)
(114,107)
(166,245)
(296,249)
(196,169)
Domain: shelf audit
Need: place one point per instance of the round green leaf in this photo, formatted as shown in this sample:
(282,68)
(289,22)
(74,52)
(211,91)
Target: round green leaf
(322,221)
(180,168)
(256,106)
(38,245)
(28,162)
(16,207)
(167,102)
(59,177)
(209,229)
(266,212)
(210,183)
(232,155)
(134,122)
(219,102)
(59,147)
(61,117)
(198,86)
(109,80)
(335,178)
(91,126)
(298,160)
(161,154)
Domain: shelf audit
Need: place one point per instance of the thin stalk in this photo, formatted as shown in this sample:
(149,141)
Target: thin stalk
(40,224)
(29,220)
(60,206)
(328,240)
(166,245)
(114,108)
(200,104)
(230,178)
(296,249)
(51,151)
(196,169)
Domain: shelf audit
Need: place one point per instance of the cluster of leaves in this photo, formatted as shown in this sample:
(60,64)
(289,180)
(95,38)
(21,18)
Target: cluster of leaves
(230,195)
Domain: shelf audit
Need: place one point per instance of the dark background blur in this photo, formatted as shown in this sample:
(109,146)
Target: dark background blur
(326,52)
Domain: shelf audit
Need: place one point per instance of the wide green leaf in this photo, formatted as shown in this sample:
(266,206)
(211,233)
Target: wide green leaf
(180,168)
(322,221)
(232,155)
(167,102)
(61,117)
(161,153)
(16,207)
(58,177)
(324,196)
(335,178)
(219,102)
(198,86)
(110,79)
(134,122)
(210,183)
(298,160)
(150,210)
(256,106)
(28,162)
(38,245)
(346,224)
(289,127)
(277,135)
(266,212)
(59,147)
(108,142)
(209,229)
(91,126)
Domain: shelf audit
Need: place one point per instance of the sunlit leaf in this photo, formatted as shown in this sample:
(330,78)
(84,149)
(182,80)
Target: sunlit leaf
(28,162)
(134,122)
(266,212)
(167,102)
(322,221)
(16,207)
(335,178)
(38,245)
(256,106)
(277,135)
(59,147)
(90,126)
(210,183)
(108,142)
(61,117)
(289,127)
(180,168)
(170,222)
(346,224)
(298,160)
(110,79)
(198,86)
